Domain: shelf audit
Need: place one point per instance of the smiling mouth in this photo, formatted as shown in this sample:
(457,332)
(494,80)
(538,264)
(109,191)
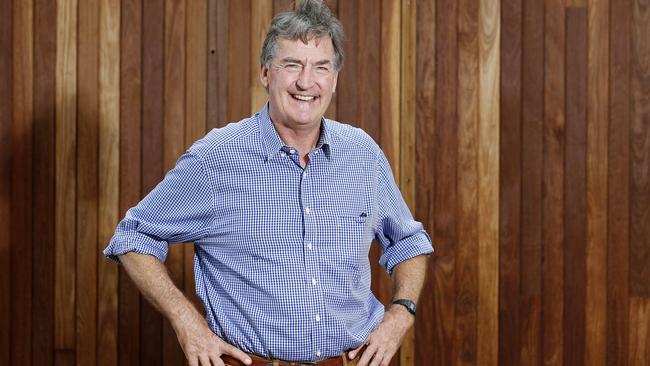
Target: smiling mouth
(304,98)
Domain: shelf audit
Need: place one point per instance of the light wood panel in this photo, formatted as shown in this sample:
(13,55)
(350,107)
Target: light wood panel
(517,131)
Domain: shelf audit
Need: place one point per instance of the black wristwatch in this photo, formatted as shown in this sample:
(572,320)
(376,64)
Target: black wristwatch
(408,304)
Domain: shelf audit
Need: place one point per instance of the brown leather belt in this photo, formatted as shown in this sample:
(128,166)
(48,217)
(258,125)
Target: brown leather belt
(341,360)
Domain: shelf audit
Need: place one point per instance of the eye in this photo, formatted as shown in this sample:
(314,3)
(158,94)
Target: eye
(292,66)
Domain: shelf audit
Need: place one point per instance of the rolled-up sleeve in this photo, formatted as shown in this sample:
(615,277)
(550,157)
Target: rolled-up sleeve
(179,209)
(400,235)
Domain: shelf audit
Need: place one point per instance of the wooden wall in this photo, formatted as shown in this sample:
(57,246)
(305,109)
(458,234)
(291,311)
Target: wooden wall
(519,132)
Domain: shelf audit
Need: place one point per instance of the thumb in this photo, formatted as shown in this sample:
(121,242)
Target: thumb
(352,354)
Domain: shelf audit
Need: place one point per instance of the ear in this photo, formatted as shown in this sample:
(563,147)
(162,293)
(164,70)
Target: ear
(264,76)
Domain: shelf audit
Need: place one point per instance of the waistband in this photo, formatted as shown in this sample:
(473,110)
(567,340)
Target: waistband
(341,360)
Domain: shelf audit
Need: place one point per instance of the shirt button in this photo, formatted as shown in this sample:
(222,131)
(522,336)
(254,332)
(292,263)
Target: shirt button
(318,353)
(283,154)
(313,281)
(317,318)
(307,210)
(292,151)
(309,245)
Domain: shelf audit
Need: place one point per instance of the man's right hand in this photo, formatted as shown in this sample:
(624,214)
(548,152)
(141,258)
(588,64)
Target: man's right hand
(203,347)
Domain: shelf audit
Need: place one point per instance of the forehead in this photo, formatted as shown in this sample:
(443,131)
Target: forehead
(315,49)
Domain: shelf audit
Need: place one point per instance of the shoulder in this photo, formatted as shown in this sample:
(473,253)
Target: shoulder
(352,138)
(233,135)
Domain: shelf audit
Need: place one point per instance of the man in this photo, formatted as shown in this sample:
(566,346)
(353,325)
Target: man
(282,207)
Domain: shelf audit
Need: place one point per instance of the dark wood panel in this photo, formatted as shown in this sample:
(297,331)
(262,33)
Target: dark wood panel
(424,168)
(6,114)
(640,153)
(510,180)
(87,182)
(368,58)
(43,183)
(553,186)
(347,83)
(130,168)
(532,89)
(618,211)
(238,51)
(575,183)
(281,6)
(21,184)
(445,189)
(152,154)
(466,298)
(217,67)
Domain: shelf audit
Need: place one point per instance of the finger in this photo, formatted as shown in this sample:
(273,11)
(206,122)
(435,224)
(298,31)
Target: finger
(376,359)
(204,360)
(216,361)
(352,354)
(192,361)
(238,354)
(367,355)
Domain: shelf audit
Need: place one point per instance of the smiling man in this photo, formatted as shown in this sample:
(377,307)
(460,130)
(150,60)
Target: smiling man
(283,207)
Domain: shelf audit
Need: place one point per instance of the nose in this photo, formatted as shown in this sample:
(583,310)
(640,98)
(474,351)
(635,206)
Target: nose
(305,78)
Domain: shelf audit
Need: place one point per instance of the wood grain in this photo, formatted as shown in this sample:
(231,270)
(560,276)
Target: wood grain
(239,56)
(281,6)
(130,169)
(87,182)
(217,68)
(368,53)
(597,131)
(553,184)
(466,298)
(152,153)
(347,84)
(510,180)
(43,182)
(21,183)
(390,83)
(618,165)
(425,345)
(108,205)
(575,183)
(65,168)
(261,14)
(6,114)
(488,168)
(640,153)
(639,353)
(173,144)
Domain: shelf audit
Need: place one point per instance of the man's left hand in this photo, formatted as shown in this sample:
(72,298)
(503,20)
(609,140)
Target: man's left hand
(383,342)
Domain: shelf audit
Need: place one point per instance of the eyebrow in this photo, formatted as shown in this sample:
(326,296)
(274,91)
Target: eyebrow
(295,60)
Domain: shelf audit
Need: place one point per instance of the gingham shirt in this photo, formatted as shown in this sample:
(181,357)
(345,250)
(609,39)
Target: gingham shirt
(281,252)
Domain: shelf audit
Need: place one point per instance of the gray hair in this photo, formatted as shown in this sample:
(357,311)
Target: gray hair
(310,19)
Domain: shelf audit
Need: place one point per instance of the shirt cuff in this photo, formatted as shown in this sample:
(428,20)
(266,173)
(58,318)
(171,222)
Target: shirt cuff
(137,243)
(407,248)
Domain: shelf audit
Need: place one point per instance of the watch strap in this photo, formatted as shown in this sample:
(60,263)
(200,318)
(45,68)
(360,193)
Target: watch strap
(408,304)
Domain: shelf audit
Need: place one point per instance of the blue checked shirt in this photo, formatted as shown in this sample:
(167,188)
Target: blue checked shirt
(281,252)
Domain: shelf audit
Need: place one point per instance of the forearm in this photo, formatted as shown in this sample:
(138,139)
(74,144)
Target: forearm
(153,280)
(408,278)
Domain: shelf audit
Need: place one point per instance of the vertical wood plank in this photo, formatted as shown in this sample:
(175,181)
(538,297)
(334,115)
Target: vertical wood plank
(173,143)
(347,85)
(510,184)
(196,107)
(130,169)
(239,56)
(407,158)
(6,152)
(390,83)
(553,186)
(87,182)
(531,181)
(596,245)
(217,67)
(488,168)
(465,334)
(618,165)
(109,136)
(369,62)
(575,183)
(445,169)
(43,183)
(424,150)
(640,154)
(65,183)
(640,332)
(261,14)
(152,153)
(21,183)
(281,6)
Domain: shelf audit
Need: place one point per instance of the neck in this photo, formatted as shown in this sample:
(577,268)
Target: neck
(304,138)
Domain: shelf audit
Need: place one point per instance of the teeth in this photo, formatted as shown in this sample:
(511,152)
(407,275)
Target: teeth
(304,97)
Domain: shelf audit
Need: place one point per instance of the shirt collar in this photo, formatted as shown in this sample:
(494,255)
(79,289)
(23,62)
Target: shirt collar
(272,143)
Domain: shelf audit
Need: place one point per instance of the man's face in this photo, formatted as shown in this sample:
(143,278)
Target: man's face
(300,81)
